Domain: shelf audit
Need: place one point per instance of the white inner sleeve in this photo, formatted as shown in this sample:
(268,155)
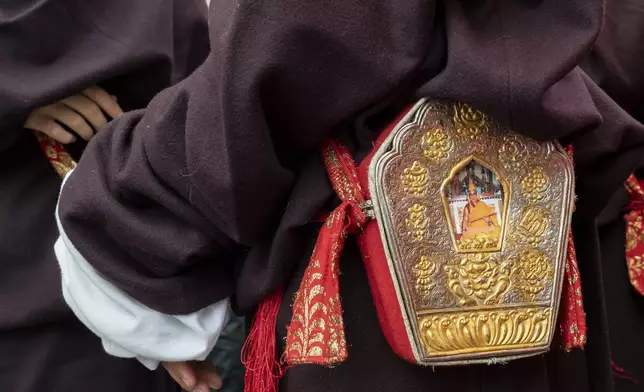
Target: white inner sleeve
(128,328)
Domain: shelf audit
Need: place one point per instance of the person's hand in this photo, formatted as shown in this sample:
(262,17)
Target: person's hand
(82,113)
(194,376)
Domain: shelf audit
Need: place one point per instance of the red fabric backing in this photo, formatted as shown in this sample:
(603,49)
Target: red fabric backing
(375,261)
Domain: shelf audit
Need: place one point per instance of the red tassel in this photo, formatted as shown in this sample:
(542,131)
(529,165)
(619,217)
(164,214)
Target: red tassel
(259,354)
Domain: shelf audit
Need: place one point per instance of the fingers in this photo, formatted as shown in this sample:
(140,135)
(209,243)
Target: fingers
(88,109)
(46,125)
(104,101)
(70,118)
(194,376)
(77,113)
(183,374)
(207,372)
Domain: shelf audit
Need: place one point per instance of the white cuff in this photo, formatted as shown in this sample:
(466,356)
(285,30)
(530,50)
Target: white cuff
(128,328)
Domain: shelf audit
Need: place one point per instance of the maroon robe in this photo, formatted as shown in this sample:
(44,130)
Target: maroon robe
(50,50)
(214,189)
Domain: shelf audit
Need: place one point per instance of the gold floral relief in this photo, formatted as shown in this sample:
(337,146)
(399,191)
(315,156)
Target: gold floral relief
(530,268)
(415,179)
(478,279)
(535,185)
(469,122)
(474,221)
(423,271)
(512,153)
(484,331)
(436,144)
(417,222)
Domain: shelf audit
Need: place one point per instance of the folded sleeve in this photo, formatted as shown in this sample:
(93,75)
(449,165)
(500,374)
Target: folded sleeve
(168,200)
(129,329)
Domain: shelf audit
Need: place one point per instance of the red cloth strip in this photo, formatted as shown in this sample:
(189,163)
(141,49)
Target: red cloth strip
(635,234)
(572,319)
(316,332)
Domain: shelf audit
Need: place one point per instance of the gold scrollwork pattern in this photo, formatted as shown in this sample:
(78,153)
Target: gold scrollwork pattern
(535,185)
(436,144)
(484,330)
(532,226)
(415,179)
(512,153)
(470,123)
(530,269)
(633,230)
(423,270)
(417,222)
(478,278)
(635,266)
(312,318)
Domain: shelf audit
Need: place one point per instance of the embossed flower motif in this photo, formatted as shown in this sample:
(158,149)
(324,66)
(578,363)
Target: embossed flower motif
(417,222)
(470,123)
(531,268)
(436,144)
(415,179)
(535,184)
(512,153)
(422,271)
(478,278)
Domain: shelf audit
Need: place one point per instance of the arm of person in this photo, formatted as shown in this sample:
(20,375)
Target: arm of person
(168,199)
(166,202)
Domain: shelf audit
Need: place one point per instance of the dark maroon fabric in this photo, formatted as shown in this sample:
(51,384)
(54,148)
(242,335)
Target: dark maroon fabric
(209,191)
(624,306)
(50,49)
(213,182)
(617,59)
(66,357)
(616,64)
